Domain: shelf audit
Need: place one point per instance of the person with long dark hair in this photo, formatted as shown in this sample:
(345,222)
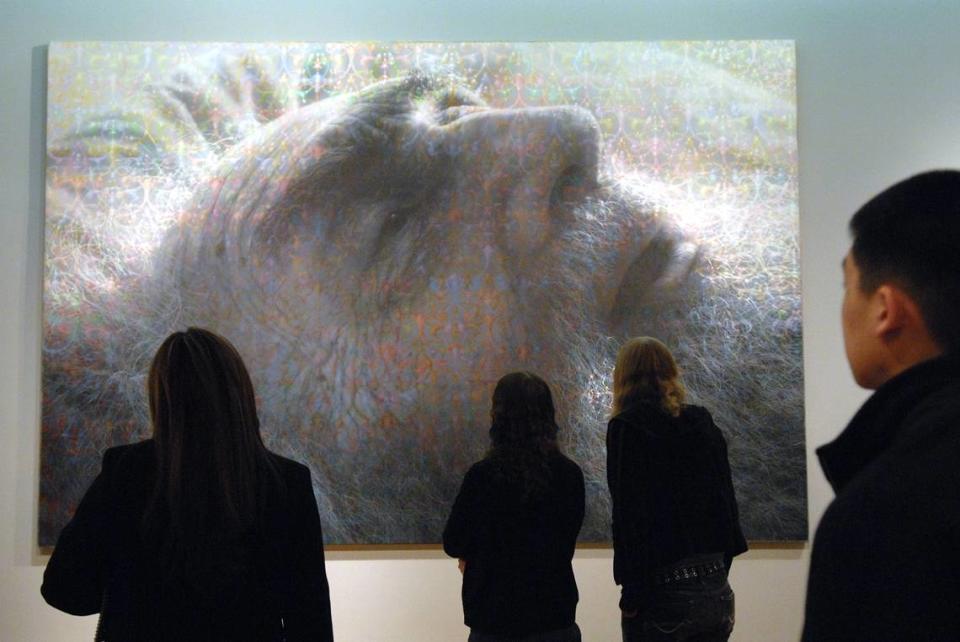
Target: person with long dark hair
(199,533)
(515,521)
(676,526)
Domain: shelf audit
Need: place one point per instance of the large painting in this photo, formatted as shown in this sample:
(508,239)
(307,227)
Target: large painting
(384,229)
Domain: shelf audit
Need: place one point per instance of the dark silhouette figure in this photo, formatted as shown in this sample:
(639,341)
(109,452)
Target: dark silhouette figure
(676,526)
(199,533)
(515,522)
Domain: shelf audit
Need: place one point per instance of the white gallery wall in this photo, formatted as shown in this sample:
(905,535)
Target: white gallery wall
(879,99)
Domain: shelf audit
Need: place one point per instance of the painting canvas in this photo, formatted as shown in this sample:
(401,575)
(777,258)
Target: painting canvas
(385,229)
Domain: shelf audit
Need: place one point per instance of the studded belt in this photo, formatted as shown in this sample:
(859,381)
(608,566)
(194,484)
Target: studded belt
(686,572)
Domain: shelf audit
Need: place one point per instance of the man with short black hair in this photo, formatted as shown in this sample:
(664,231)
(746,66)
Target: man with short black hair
(886,556)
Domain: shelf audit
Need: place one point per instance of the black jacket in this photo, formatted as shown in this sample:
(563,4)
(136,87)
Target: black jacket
(519,578)
(100,551)
(886,556)
(672,493)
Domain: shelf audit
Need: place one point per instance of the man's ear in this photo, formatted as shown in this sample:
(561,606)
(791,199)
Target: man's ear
(894,309)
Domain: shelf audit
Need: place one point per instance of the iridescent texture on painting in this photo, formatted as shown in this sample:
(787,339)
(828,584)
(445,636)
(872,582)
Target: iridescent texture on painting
(384,229)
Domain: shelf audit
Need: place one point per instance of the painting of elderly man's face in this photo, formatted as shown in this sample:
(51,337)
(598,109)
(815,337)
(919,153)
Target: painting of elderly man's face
(384,230)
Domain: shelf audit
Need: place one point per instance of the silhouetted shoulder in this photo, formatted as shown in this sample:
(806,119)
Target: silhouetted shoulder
(480,473)
(292,472)
(698,412)
(698,417)
(567,465)
(130,468)
(131,454)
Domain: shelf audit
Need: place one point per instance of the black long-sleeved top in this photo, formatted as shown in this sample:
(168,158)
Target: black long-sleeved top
(518,578)
(282,572)
(672,493)
(887,549)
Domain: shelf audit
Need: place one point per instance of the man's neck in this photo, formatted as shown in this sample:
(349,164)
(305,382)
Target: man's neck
(905,355)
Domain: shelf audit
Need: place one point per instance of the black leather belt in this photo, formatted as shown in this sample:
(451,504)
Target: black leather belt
(685,572)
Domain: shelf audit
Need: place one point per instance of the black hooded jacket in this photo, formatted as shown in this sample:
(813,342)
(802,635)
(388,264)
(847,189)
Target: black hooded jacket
(672,493)
(519,578)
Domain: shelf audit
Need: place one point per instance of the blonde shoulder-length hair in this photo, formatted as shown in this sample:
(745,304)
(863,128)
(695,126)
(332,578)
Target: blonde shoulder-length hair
(646,369)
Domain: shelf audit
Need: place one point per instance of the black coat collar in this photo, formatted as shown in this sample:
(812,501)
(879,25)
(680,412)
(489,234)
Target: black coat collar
(879,421)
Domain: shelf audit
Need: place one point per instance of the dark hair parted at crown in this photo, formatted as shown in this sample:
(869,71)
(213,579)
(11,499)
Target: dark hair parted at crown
(213,471)
(523,431)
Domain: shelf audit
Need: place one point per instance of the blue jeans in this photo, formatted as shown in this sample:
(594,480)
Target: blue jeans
(569,634)
(697,609)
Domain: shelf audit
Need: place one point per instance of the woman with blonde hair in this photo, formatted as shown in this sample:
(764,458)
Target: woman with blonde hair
(675,521)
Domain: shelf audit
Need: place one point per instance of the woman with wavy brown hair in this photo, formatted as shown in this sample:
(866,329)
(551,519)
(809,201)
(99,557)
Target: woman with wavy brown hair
(515,522)
(675,520)
(199,533)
